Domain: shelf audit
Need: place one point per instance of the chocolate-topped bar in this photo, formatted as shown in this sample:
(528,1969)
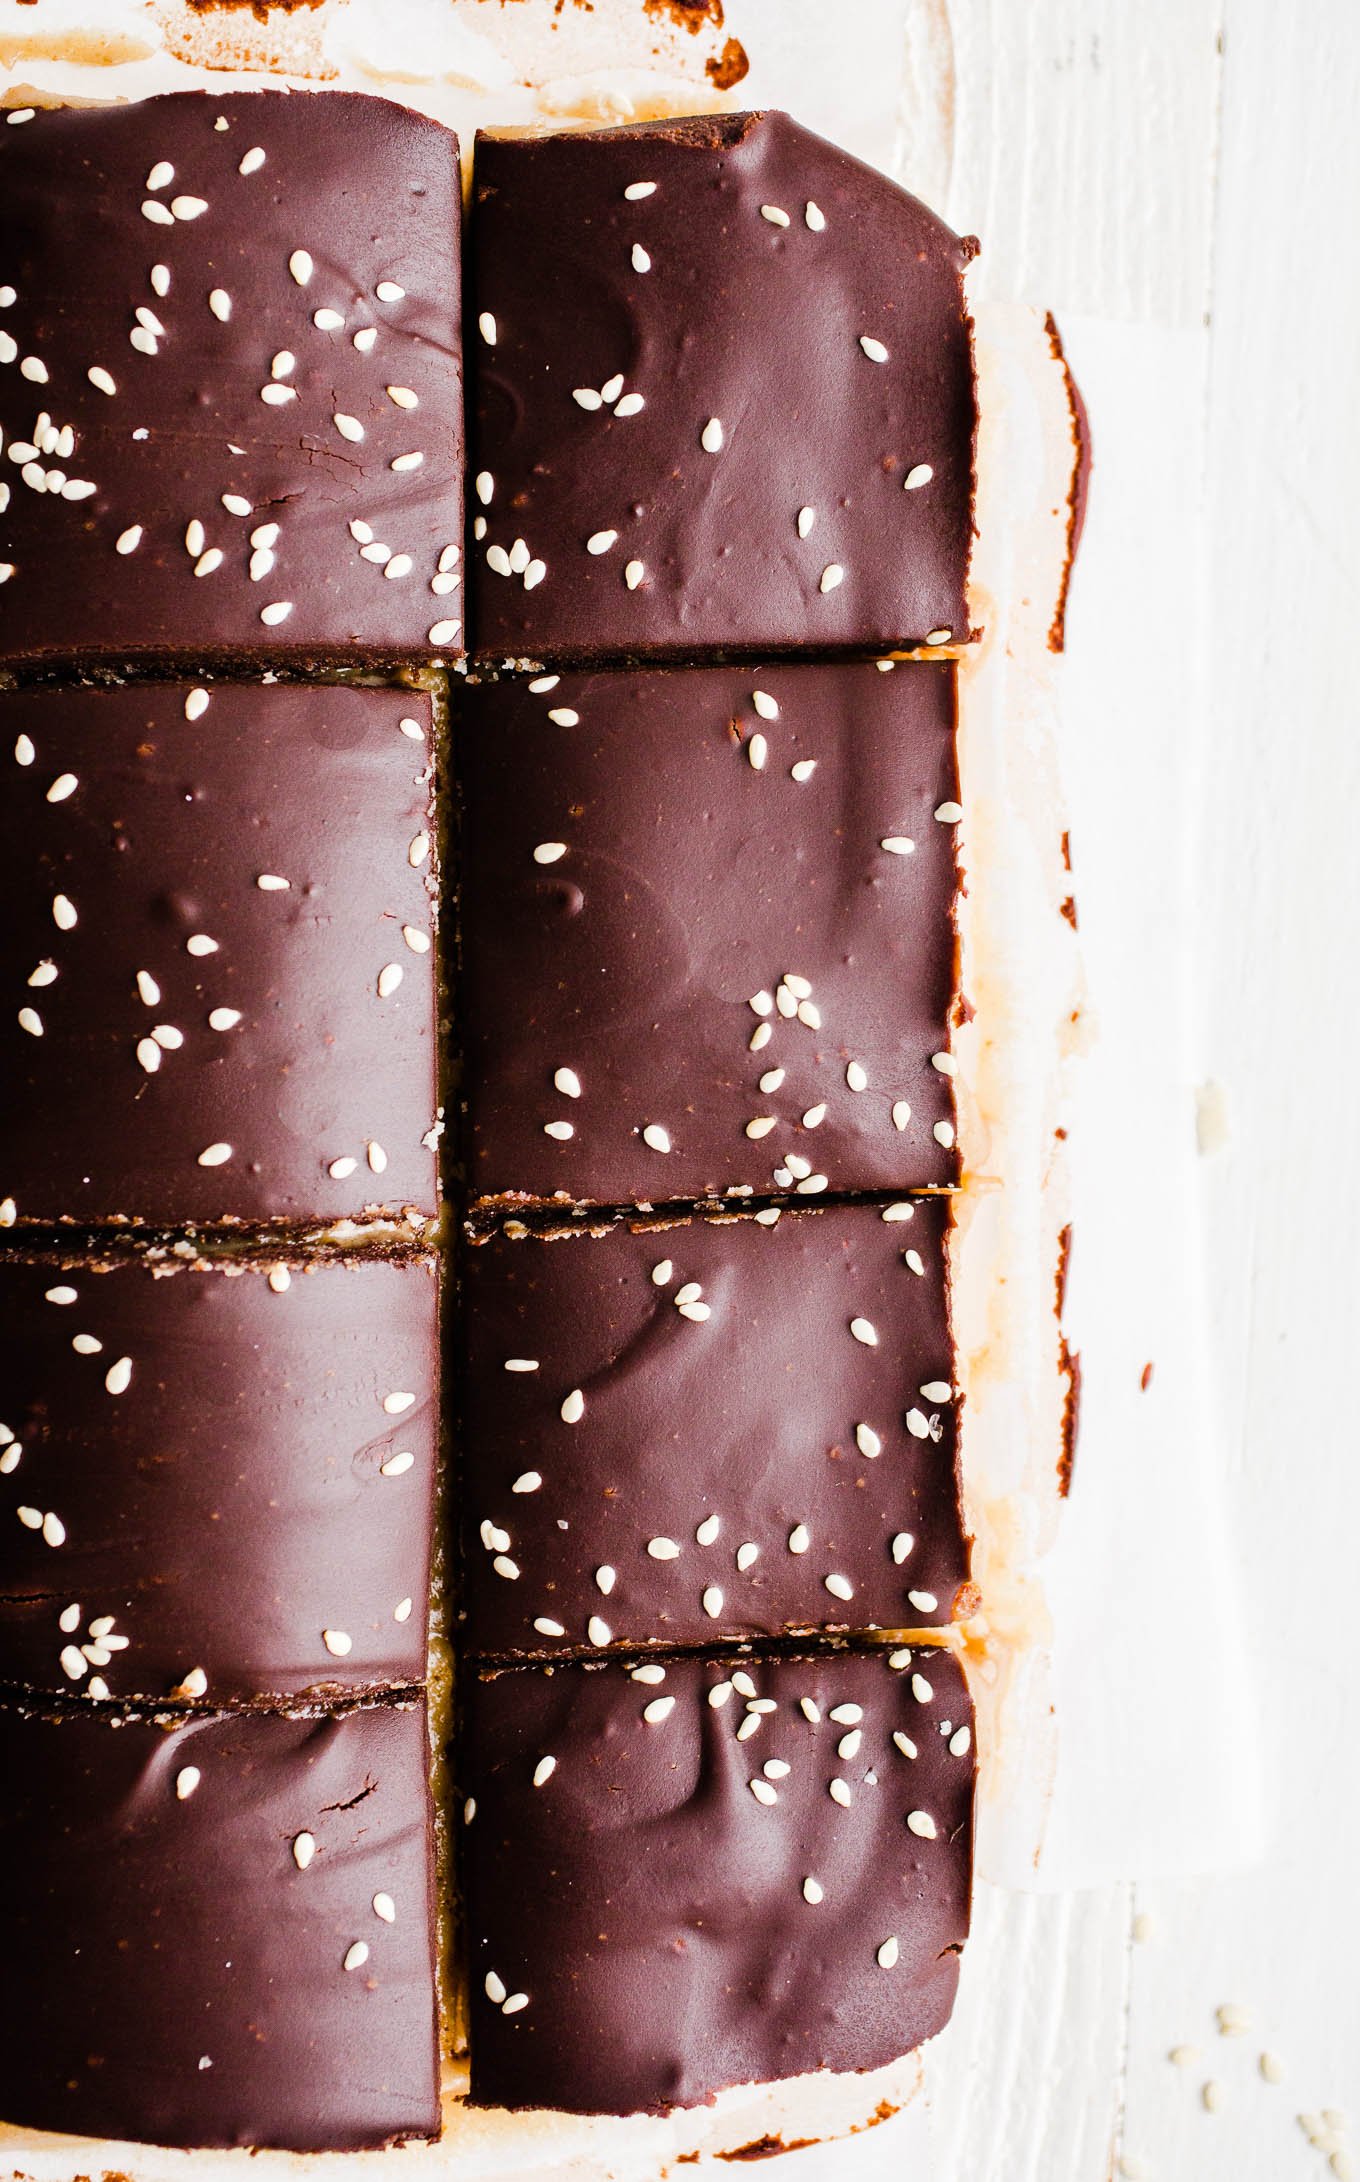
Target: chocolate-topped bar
(218,951)
(217,1481)
(230,381)
(722,395)
(221,1931)
(712,1428)
(708,932)
(700,1873)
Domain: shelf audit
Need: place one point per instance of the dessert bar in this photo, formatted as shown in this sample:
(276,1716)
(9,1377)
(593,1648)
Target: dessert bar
(707,1872)
(715,1428)
(218,946)
(708,932)
(221,1928)
(216,1482)
(722,394)
(230,386)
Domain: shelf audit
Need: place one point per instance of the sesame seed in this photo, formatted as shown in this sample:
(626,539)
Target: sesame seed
(903,1742)
(633,574)
(840,1587)
(919,475)
(641,261)
(563,716)
(711,437)
(719,1695)
(271,616)
(269,882)
(356,1956)
(600,541)
(656,1138)
(764,704)
(864,1330)
(902,1545)
(544,1771)
(159,215)
(31,1021)
(1212,2096)
(587,397)
(636,190)
(547,1627)
(960,1742)
(707,1531)
(561,1131)
(832,575)
(763,1792)
(663,1549)
(629,406)
(406,462)
(389,291)
(214,1155)
(63,786)
(605,1578)
(104,380)
(814,216)
(888,1954)
(486,326)
(186,1780)
(550,852)
(855,1076)
(598,1631)
(746,1556)
(403,398)
(9,1213)
(897,844)
(658,1710)
(839,1792)
(341,1169)
(761,1125)
(757,750)
(485,486)
(63,913)
(800,1538)
(505,1567)
(385,1908)
(938,636)
(806,518)
(943,1133)
(662,1273)
(1271,2067)
(348,427)
(85,1344)
(327,321)
(194,1684)
(922,1690)
(775,214)
(901,1113)
(873,349)
(219,303)
(73,1661)
(573,1407)
(149,1055)
(365,338)
(188,208)
(494,1989)
(868,1441)
(444,632)
(301,267)
(54,1534)
(389,977)
(521,1363)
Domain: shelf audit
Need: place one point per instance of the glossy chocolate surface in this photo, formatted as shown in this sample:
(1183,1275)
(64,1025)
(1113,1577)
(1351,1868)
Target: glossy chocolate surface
(728,1429)
(223,1474)
(179,1911)
(230,381)
(692,965)
(217,953)
(665,1897)
(722,396)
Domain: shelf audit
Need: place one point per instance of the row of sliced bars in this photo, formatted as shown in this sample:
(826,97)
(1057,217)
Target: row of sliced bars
(719,383)
(233,435)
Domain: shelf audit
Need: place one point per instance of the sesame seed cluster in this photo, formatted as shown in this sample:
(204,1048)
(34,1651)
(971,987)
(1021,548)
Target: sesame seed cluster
(713,1752)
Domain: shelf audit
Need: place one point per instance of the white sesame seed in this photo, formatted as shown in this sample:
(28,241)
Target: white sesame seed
(600,541)
(397,1404)
(337,1641)
(63,786)
(104,380)
(874,350)
(560,1131)
(848,1746)
(901,1113)
(633,574)
(658,1710)
(521,1363)
(587,397)
(949,814)
(925,1602)
(864,1330)
(550,852)
(223,1018)
(839,1792)
(186,1780)
(888,1953)
(832,575)
(629,406)
(60,1296)
(485,486)
(301,267)
(917,1425)
(938,636)
(544,1771)
(486,326)
(761,1003)
(757,750)
(747,1555)
(641,260)
(775,214)
(63,913)
(31,1021)
(85,1344)
(73,1661)
(24,751)
(118,1377)
(546,1626)
(598,1631)
(840,1587)
(662,1273)
(188,208)
(271,616)
(444,632)
(814,216)
(663,1549)
(707,1531)
(573,1407)
(567,1082)
(902,1545)
(208,563)
(605,1578)
(389,291)
(44,974)
(403,463)
(341,1169)
(712,1602)
(494,1989)
(711,437)
(636,190)
(159,215)
(389,977)
(772,1079)
(922,1690)
(761,1125)
(920,474)
(505,1567)
(365,338)
(149,1055)
(328,321)
(960,1742)
(763,1792)
(563,716)
(943,1133)
(656,1138)
(356,1956)
(800,1538)
(348,427)
(402,397)
(54,1534)
(269,882)
(868,1441)
(806,518)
